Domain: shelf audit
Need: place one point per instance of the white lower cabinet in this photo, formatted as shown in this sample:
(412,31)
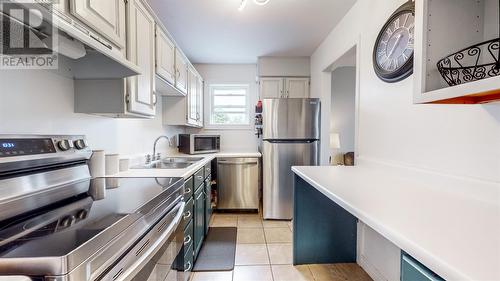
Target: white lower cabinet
(281,87)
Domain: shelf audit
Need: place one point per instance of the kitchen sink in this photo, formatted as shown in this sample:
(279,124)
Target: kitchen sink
(170,163)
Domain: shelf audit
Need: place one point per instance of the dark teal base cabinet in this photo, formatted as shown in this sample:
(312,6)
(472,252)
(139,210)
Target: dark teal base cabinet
(412,270)
(323,232)
(208,203)
(199,219)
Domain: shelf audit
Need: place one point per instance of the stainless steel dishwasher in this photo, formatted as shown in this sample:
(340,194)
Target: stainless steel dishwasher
(238,183)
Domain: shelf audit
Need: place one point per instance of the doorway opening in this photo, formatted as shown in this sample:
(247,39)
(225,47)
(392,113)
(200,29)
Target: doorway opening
(343,109)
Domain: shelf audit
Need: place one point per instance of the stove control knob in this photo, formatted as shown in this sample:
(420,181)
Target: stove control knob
(68,221)
(80,144)
(82,214)
(65,145)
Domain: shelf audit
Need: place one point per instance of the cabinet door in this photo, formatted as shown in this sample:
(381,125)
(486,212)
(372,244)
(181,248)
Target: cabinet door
(165,56)
(199,104)
(271,88)
(106,17)
(208,203)
(141,50)
(182,75)
(297,87)
(199,220)
(192,99)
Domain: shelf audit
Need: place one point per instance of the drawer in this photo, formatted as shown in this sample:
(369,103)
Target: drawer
(412,270)
(199,178)
(208,170)
(188,212)
(188,188)
(188,236)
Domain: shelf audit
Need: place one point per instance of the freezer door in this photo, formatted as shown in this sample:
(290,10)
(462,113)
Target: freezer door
(278,158)
(291,118)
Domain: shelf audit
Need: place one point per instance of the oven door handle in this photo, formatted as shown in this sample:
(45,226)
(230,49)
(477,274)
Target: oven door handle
(126,272)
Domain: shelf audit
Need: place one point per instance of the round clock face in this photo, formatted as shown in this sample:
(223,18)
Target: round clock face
(393,54)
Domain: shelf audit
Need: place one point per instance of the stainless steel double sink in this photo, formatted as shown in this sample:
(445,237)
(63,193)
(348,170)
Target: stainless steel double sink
(170,163)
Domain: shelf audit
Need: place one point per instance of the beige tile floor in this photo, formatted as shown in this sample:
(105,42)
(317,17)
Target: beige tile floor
(264,253)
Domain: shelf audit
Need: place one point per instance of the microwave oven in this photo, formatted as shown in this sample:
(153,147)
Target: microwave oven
(198,144)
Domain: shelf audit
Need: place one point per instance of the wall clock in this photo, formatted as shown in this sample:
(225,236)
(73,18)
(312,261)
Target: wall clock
(393,52)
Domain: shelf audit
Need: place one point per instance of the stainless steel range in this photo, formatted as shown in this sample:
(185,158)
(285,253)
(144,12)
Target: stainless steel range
(59,224)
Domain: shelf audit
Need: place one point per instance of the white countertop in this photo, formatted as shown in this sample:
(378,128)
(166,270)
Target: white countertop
(450,224)
(186,172)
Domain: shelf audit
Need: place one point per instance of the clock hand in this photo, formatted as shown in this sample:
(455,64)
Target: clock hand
(395,45)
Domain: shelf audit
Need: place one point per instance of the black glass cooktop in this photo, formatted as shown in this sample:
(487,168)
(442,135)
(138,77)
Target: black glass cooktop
(58,231)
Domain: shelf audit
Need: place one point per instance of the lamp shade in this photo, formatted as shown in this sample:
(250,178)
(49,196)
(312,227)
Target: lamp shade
(334,141)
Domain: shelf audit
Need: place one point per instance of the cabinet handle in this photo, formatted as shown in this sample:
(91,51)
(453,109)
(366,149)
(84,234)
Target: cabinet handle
(187,240)
(188,190)
(199,177)
(187,215)
(188,267)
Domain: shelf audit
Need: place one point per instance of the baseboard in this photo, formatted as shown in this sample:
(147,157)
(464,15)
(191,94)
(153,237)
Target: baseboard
(370,269)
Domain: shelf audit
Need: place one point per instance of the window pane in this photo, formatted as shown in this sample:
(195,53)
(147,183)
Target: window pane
(230,100)
(228,109)
(230,118)
(240,92)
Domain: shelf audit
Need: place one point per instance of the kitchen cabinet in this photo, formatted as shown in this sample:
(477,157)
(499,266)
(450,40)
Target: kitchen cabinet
(208,203)
(199,219)
(134,96)
(289,87)
(182,72)
(141,98)
(475,21)
(105,17)
(271,88)
(412,270)
(186,110)
(297,87)
(165,57)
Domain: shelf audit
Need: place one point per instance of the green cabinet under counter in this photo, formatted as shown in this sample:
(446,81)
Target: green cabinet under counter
(412,270)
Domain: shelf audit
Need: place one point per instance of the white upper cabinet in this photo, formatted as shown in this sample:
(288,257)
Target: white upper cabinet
(192,99)
(141,51)
(297,87)
(165,57)
(271,88)
(289,87)
(200,102)
(107,17)
(182,72)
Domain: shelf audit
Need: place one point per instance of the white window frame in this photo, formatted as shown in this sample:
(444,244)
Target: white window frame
(210,89)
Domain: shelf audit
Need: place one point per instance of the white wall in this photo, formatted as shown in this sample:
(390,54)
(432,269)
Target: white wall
(231,140)
(284,66)
(459,140)
(41,102)
(343,108)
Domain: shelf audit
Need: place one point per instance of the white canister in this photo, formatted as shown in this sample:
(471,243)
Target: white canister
(124,164)
(97,164)
(112,168)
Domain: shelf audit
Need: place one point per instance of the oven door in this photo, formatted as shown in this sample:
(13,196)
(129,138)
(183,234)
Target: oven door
(153,257)
(206,143)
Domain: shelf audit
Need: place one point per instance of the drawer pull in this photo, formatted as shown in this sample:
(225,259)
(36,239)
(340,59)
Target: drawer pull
(187,215)
(199,177)
(187,191)
(187,266)
(187,240)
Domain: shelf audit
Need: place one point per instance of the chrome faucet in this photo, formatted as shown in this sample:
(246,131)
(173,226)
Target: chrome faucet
(154,156)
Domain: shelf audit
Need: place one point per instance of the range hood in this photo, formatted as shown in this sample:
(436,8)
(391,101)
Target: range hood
(89,55)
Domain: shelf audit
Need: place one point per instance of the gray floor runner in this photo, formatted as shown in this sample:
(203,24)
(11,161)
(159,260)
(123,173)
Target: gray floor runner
(218,250)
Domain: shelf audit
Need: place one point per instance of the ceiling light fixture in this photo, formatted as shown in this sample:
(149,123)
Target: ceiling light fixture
(257,2)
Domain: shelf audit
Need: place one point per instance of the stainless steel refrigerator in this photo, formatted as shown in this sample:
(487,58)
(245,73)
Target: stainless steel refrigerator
(291,133)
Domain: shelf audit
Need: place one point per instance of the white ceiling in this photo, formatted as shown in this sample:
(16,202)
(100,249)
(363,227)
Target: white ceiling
(214,31)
